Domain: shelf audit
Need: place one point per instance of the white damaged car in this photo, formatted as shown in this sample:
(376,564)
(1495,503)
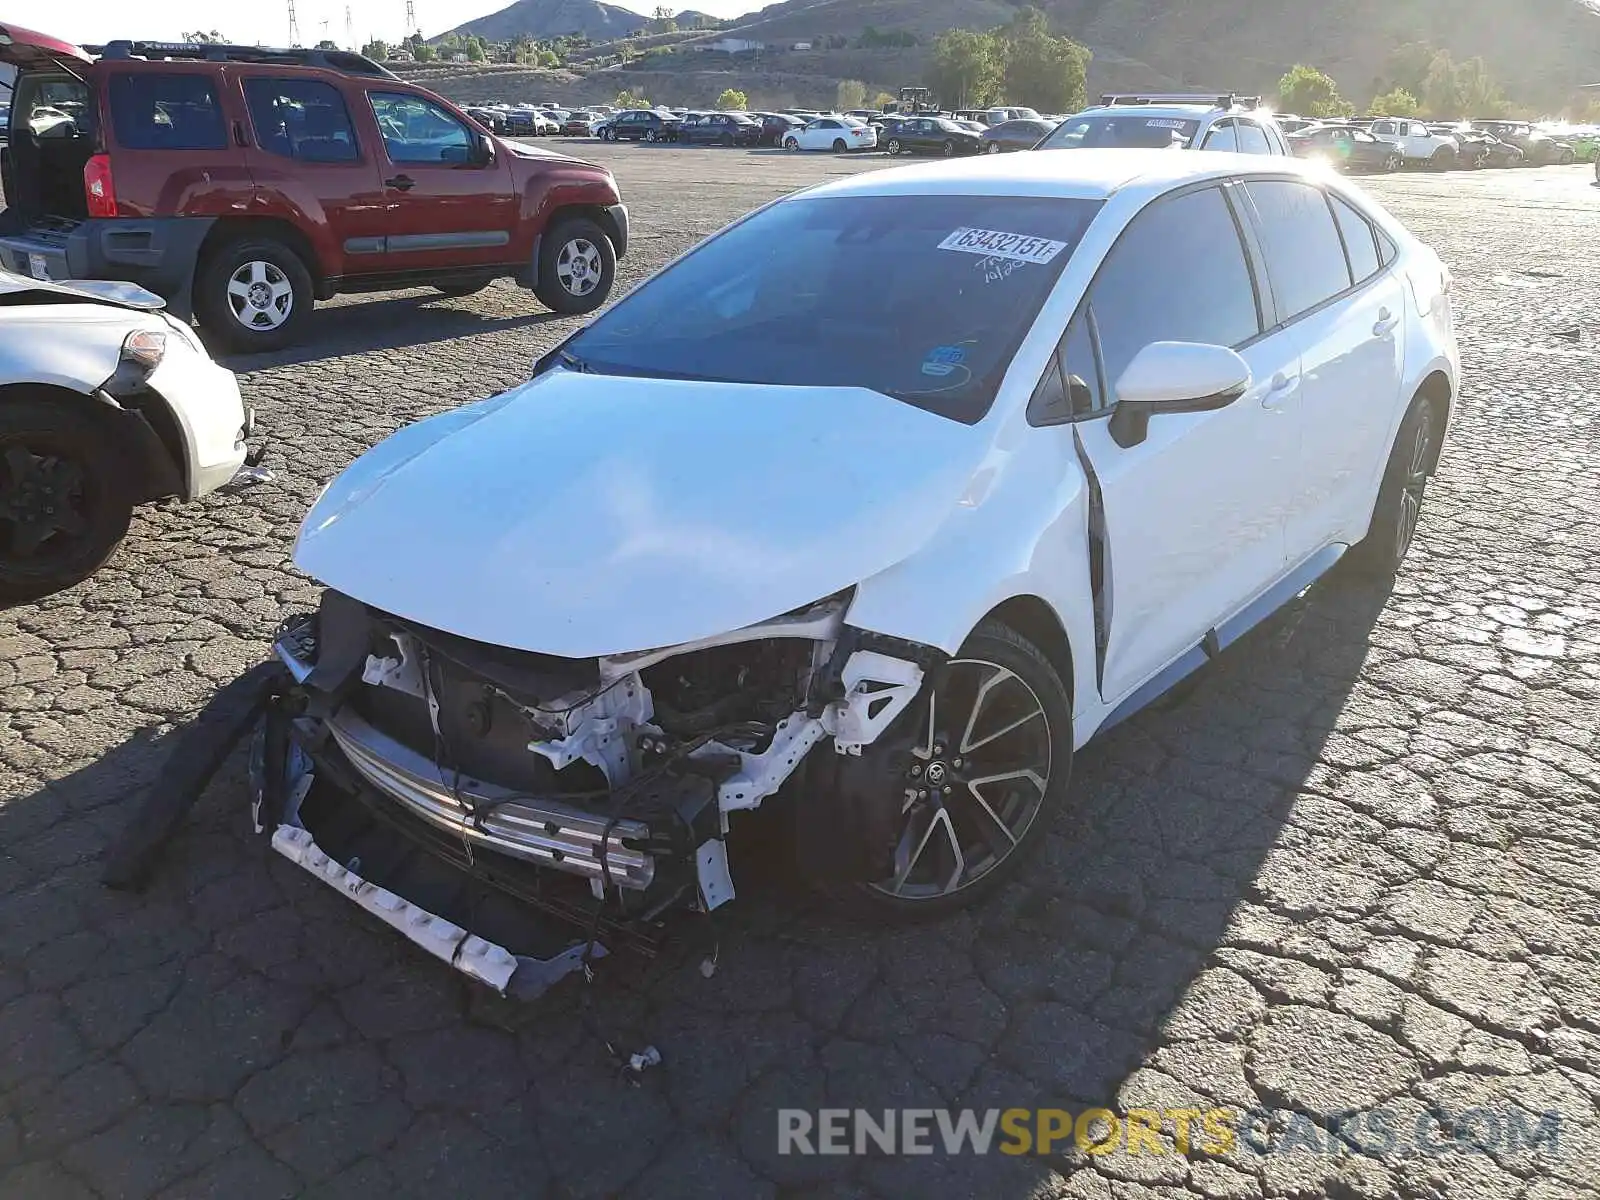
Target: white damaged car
(881,502)
(105,402)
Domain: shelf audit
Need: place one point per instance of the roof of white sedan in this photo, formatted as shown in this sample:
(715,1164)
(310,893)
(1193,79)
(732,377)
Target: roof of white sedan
(1076,174)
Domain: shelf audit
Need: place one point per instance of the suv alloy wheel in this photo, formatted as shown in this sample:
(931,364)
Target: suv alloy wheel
(576,265)
(253,294)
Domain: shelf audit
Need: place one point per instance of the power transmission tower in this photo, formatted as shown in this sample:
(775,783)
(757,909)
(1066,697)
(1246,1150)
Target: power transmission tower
(411,18)
(294,26)
(349,30)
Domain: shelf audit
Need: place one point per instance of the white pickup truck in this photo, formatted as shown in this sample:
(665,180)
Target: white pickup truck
(1413,139)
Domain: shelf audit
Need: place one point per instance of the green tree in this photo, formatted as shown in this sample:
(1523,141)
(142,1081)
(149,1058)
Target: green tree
(661,21)
(1039,68)
(628,98)
(1479,94)
(965,68)
(1311,93)
(732,101)
(423,52)
(327,44)
(202,37)
(883,102)
(475,50)
(851,93)
(1440,95)
(377,49)
(1396,103)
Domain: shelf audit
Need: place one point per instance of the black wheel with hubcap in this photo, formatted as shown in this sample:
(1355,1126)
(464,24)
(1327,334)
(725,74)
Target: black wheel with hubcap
(948,149)
(65,499)
(894,146)
(991,758)
(253,294)
(576,266)
(1400,495)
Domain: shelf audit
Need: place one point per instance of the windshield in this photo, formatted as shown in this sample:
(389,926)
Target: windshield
(923,298)
(1097,130)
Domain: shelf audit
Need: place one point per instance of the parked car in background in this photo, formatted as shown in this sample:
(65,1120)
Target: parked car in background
(1539,149)
(244,184)
(930,135)
(640,125)
(994,116)
(1020,134)
(491,119)
(980,116)
(1290,123)
(580,124)
(775,126)
(719,129)
(1346,147)
(1098,481)
(1170,122)
(838,134)
(106,402)
(1418,145)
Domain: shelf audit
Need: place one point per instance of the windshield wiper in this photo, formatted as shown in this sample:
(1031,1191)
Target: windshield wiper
(572,362)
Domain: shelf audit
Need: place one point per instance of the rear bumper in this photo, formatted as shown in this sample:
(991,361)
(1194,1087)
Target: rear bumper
(157,253)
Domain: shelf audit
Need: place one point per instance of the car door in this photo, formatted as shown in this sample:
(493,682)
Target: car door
(304,154)
(1194,514)
(1345,312)
(449,204)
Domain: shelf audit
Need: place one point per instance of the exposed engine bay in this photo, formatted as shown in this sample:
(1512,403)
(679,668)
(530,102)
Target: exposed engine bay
(549,777)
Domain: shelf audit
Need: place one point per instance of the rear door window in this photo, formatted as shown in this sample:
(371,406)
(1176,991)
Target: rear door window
(1223,136)
(1305,256)
(158,111)
(1253,139)
(301,118)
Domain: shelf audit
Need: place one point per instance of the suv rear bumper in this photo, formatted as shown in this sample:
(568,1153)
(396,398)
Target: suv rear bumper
(157,253)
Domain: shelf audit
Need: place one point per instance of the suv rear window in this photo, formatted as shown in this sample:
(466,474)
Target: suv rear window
(166,112)
(301,118)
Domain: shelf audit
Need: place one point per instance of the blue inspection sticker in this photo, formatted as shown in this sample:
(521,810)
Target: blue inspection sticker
(943,360)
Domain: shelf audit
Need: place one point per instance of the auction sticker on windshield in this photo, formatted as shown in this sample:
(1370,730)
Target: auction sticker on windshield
(1164,123)
(996,243)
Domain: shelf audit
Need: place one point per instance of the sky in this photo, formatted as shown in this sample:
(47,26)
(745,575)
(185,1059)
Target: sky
(267,21)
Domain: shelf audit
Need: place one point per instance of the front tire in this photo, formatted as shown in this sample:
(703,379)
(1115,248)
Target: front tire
(790,144)
(65,497)
(577,264)
(995,148)
(894,147)
(948,149)
(253,294)
(1400,495)
(991,763)
(839,146)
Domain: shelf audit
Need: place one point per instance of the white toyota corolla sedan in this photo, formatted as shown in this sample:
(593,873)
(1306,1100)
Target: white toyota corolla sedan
(879,503)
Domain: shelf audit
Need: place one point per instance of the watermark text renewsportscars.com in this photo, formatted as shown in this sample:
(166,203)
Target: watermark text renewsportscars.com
(1372,1132)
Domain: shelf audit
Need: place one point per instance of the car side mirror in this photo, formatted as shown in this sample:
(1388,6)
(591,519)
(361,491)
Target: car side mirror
(483,150)
(1174,377)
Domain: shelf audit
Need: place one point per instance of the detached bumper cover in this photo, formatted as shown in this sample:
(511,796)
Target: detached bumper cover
(157,253)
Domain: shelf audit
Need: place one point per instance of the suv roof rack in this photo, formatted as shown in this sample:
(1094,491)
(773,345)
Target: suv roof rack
(1211,99)
(346,62)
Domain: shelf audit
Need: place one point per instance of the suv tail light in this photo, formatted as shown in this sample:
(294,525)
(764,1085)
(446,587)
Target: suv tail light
(98,188)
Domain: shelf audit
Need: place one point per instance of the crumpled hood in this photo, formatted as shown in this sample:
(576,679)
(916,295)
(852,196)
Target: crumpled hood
(113,292)
(582,515)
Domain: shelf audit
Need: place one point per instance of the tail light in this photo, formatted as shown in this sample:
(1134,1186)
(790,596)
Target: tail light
(98,188)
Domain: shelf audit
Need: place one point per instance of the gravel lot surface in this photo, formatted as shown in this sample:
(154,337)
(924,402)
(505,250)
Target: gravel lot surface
(1358,865)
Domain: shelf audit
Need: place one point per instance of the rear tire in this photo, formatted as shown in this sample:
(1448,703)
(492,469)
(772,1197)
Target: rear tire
(995,147)
(839,146)
(230,301)
(1400,495)
(65,497)
(893,147)
(948,149)
(577,264)
(1016,815)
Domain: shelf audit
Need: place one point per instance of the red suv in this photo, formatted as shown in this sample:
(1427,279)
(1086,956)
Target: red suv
(243,184)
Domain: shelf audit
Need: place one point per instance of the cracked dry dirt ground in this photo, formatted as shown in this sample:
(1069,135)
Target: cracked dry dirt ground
(1357,865)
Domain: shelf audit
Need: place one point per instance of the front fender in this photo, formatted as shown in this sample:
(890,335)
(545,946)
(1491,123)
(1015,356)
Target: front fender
(1020,530)
(69,347)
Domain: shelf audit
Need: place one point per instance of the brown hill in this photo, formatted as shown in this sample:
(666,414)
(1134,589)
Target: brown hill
(553,18)
(1539,49)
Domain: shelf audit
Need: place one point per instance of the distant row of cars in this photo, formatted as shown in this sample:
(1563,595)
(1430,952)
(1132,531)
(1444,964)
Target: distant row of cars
(1394,143)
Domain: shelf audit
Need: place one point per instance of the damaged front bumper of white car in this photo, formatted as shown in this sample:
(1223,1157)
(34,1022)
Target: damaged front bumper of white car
(455,790)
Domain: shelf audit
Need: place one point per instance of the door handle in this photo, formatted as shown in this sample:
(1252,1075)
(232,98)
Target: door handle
(1385,325)
(1282,387)
(402,183)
